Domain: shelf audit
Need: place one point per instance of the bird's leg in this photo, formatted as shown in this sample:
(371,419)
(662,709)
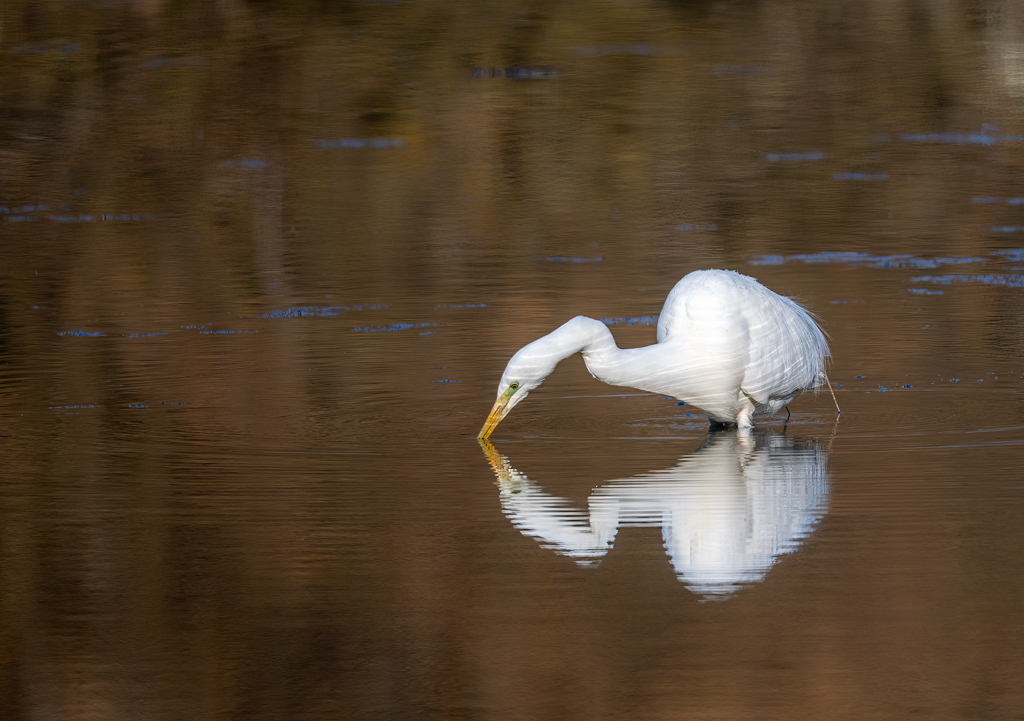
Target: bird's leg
(745,418)
(788,414)
(829,384)
(745,415)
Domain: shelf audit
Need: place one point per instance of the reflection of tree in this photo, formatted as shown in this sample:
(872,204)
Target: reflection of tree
(727,511)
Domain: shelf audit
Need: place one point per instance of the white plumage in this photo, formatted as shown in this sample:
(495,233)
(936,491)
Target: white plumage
(726,345)
(727,512)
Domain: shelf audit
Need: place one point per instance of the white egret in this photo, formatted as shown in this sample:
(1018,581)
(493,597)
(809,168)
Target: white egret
(726,345)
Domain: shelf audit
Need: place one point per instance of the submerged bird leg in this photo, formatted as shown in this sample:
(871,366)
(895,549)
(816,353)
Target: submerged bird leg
(829,384)
(745,417)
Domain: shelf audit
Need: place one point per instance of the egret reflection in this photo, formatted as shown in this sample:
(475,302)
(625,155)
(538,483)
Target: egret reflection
(727,511)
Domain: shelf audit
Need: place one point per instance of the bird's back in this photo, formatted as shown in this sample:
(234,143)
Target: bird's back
(766,342)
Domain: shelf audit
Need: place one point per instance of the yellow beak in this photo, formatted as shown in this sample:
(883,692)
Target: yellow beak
(498,412)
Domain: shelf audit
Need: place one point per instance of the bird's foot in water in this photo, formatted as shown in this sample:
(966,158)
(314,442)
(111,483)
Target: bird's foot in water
(715,426)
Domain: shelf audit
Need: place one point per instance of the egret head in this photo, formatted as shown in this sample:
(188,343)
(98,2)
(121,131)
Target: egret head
(527,370)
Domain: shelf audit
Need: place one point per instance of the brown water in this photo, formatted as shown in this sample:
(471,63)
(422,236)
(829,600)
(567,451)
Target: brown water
(261,266)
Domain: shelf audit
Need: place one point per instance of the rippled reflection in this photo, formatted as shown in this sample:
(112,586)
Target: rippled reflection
(727,511)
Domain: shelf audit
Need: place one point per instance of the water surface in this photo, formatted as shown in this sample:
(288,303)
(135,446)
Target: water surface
(261,267)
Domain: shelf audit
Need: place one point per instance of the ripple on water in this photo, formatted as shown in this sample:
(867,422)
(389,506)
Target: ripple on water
(863,260)
(1009,280)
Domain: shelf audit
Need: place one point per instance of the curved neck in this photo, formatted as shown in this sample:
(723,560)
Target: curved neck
(605,360)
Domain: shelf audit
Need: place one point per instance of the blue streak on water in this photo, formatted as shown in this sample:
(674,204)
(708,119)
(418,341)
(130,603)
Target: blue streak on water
(636,320)
(77,407)
(83,333)
(1010,280)
(439,306)
(301,312)
(983,138)
(1006,229)
(304,311)
(25,209)
(860,259)
(160,62)
(246,163)
(143,335)
(925,291)
(697,226)
(81,217)
(860,176)
(569,259)
(394,327)
(952,138)
(619,49)
(537,72)
(377,143)
(793,157)
(989,199)
(447,380)
(226,332)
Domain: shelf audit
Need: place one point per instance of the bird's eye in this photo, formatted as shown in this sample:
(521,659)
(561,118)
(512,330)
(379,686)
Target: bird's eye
(514,385)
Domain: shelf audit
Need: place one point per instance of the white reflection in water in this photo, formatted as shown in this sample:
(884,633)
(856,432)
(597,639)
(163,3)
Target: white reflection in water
(727,511)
